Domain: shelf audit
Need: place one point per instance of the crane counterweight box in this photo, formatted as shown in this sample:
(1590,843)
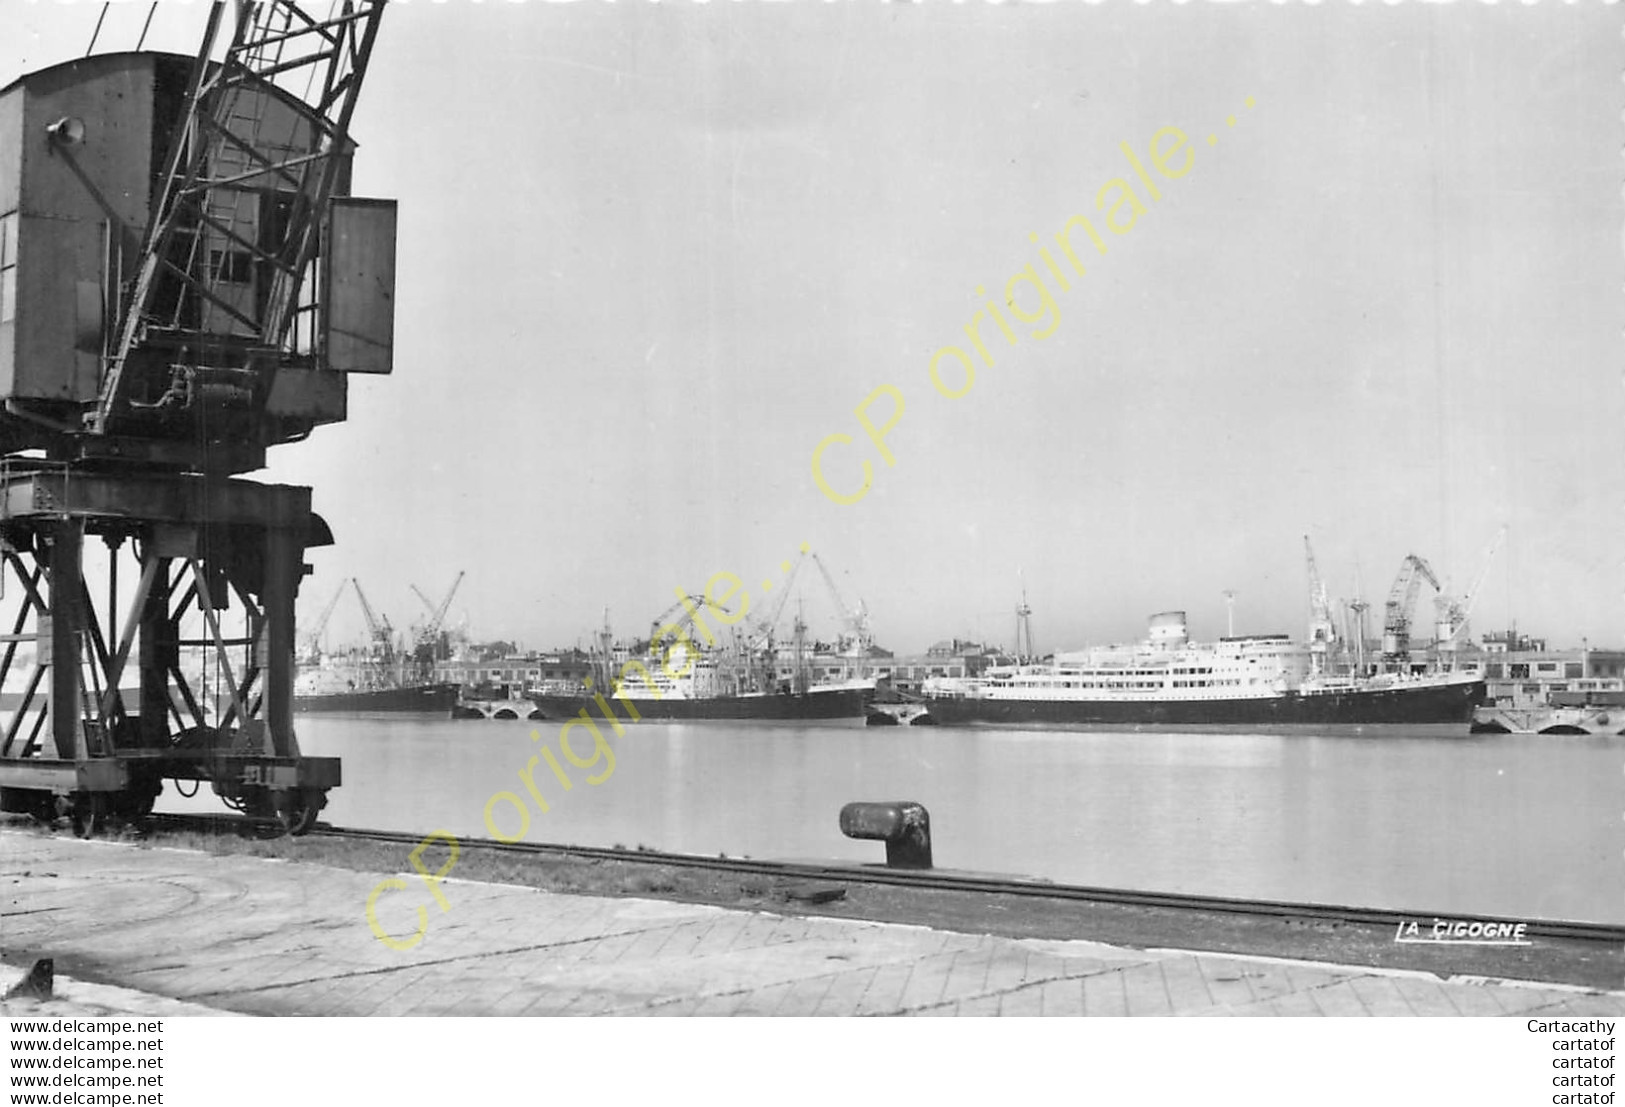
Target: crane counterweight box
(180,260)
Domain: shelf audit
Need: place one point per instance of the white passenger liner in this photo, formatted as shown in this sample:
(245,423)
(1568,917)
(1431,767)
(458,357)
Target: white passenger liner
(1167,679)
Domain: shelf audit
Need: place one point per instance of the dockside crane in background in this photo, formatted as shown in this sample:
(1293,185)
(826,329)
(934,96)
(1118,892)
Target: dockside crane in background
(1321,631)
(429,642)
(1454,611)
(313,641)
(691,605)
(857,639)
(383,635)
(1401,606)
(765,627)
(761,640)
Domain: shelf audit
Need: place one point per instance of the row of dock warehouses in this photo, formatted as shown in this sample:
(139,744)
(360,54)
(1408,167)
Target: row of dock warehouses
(1517,669)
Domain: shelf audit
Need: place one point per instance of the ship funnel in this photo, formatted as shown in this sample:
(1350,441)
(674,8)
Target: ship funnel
(1168,631)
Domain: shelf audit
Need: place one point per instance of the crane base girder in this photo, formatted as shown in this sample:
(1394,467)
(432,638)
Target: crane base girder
(65,777)
(104,499)
(115,773)
(234,457)
(205,634)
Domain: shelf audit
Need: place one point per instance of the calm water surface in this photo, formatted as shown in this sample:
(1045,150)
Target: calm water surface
(1425,819)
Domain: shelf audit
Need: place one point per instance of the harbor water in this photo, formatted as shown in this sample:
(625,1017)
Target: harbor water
(1426,819)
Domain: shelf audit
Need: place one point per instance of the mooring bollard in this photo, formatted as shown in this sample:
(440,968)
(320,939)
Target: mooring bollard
(905,827)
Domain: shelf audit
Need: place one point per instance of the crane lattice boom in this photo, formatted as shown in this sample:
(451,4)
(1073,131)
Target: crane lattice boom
(1396,627)
(767,626)
(186,326)
(696,602)
(315,635)
(437,612)
(1454,612)
(858,639)
(383,635)
(1321,629)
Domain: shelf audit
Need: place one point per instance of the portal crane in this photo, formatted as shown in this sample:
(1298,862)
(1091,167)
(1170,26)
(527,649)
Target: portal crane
(1454,612)
(383,635)
(1322,633)
(766,626)
(425,600)
(315,637)
(760,646)
(1396,625)
(226,282)
(858,639)
(698,603)
(426,638)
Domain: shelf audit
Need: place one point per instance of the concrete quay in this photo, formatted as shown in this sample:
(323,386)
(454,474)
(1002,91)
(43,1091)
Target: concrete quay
(189,932)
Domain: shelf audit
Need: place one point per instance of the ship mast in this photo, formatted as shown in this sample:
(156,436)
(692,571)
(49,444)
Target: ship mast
(605,658)
(1359,607)
(800,685)
(1025,650)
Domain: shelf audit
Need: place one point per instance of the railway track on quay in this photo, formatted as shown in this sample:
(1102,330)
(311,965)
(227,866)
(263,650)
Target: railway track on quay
(939,880)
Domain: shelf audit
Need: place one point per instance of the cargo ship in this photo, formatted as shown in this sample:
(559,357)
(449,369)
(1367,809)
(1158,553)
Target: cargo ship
(1250,680)
(380,676)
(682,680)
(436,699)
(363,686)
(706,688)
(705,693)
(818,703)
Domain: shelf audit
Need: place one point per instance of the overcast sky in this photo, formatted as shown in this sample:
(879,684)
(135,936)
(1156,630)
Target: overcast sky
(650,256)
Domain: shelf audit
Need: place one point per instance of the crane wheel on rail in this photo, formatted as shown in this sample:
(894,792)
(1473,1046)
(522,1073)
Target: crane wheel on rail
(280,811)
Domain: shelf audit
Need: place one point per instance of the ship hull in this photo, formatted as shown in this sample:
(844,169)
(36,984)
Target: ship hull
(836,703)
(1416,705)
(436,699)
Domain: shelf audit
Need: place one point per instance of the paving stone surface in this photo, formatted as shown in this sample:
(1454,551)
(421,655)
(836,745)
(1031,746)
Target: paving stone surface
(185,932)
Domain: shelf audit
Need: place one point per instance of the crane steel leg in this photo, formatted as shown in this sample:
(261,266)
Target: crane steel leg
(66,543)
(284,562)
(160,653)
(207,550)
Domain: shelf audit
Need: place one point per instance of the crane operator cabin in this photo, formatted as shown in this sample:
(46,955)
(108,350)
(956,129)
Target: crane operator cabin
(195,343)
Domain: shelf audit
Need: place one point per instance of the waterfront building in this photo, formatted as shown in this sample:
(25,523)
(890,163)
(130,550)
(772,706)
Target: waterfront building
(1521,671)
(950,657)
(513,674)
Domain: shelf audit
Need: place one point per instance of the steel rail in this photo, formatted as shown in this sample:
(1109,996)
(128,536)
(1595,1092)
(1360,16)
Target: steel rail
(949,881)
